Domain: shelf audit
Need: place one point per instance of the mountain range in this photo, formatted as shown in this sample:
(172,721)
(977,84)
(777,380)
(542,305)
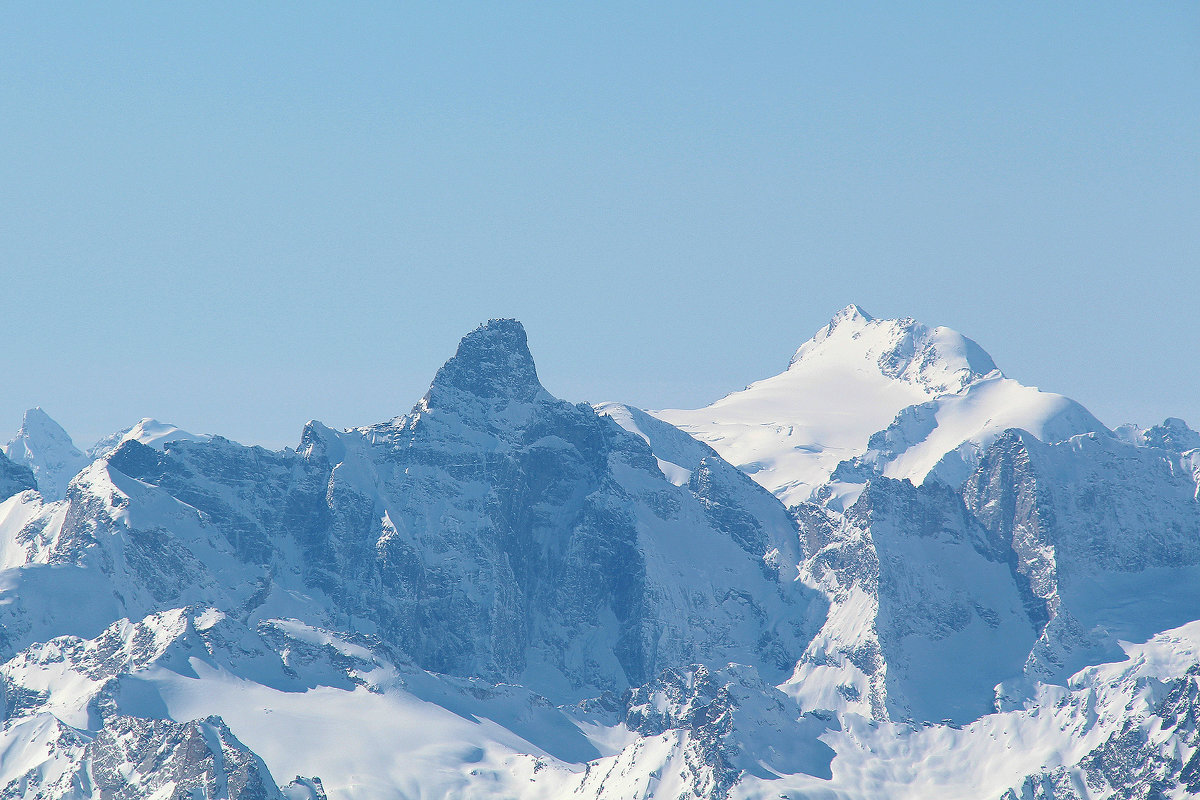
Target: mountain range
(888,571)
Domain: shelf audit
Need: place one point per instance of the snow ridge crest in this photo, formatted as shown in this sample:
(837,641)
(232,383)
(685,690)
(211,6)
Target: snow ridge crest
(939,360)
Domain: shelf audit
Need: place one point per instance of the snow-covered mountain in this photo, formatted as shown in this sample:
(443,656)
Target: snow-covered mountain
(42,445)
(889,397)
(926,617)
(495,531)
(917,578)
(147,431)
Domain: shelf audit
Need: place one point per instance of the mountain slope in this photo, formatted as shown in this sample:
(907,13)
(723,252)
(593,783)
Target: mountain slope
(14,478)
(926,617)
(945,437)
(1105,535)
(494,532)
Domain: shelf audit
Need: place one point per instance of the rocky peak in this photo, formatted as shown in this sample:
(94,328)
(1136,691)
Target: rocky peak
(39,431)
(851,313)
(493,362)
(1173,435)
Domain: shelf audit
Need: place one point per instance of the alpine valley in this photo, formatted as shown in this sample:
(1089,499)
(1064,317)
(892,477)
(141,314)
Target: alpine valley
(890,571)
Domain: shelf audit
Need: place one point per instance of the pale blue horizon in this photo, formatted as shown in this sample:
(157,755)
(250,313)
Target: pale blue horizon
(238,219)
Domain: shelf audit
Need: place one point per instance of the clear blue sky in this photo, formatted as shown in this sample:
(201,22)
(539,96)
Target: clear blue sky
(237,219)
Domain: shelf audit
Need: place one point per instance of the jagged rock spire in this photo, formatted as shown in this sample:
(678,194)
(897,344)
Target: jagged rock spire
(493,362)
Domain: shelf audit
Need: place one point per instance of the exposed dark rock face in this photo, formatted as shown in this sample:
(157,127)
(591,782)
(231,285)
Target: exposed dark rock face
(14,478)
(1087,521)
(935,585)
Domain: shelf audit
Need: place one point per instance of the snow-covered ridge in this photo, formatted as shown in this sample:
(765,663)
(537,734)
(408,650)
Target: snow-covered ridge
(896,396)
(939,359)
(44,447)
(946,436)
(147,431)
(504,595)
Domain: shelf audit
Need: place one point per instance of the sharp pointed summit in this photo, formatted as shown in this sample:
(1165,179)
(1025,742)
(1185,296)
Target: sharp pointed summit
(851,312)
(938,360)
(42,445)
(493,362)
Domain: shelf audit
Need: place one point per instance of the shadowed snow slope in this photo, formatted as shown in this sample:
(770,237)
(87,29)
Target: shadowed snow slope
(1105,535)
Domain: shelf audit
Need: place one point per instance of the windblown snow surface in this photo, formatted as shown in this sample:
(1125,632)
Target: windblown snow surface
(889,572)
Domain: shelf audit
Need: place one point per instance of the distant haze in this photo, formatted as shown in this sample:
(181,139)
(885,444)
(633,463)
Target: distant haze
(235,220)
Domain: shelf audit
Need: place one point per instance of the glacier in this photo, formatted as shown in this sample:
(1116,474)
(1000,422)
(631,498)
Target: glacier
(889,571)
